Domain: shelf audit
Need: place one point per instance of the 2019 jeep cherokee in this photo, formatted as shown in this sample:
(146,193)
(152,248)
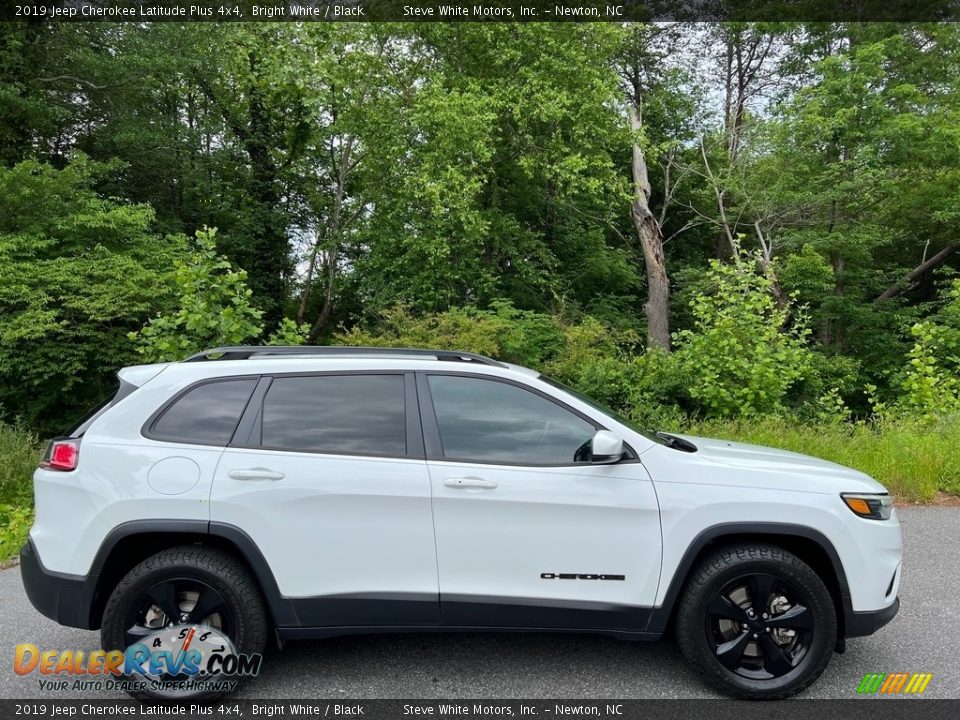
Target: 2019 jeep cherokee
(323,491)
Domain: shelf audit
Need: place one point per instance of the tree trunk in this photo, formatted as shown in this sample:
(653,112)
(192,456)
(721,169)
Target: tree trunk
(910,280)
(657,307)
(326,312)
(335,226)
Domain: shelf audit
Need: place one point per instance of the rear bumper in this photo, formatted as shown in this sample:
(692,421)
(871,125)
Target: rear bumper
(58,596)
(859,624)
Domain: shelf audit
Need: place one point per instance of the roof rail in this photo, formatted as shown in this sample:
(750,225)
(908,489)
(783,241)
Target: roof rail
(246,352)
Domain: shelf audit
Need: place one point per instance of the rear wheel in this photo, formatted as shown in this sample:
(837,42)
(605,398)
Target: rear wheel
(757,622)
(190,597)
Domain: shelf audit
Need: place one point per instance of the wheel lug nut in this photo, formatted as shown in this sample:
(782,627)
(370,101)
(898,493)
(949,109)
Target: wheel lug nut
(755,636)
(768,629)
(765,616)
(745,626)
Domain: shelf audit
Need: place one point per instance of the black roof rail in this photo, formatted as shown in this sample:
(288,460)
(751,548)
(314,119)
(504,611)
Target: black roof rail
(245,352)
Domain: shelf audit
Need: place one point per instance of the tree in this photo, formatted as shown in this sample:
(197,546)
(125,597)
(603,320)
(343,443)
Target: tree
(497,176)
(745,351)
(644,71)
(79,271)
(212,309)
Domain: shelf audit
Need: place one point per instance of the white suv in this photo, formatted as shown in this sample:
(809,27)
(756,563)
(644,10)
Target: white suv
(323,491)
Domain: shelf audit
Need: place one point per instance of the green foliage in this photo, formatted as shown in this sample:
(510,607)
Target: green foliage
(13,533)
(928,388)
(806,275)
(469,185)
(744,353)
(212,307)
(523,337)
(928,384)
(496,176)
(77,272)
(288,333)
(19,452)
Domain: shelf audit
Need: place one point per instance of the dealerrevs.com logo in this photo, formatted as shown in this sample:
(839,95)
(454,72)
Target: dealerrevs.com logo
(899,683)
(177,661)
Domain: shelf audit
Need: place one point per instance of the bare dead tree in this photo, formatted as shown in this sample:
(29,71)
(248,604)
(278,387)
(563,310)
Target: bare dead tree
(657,306)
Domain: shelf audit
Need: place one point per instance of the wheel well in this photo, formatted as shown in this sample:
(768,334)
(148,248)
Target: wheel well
(805,548)
(133,549)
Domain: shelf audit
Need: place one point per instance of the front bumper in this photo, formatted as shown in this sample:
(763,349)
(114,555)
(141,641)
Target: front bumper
(61,597)
(859,624)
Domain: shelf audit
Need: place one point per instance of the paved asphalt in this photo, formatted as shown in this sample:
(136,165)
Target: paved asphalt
(925,636)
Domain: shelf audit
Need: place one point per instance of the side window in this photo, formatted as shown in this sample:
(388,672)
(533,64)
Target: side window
(489,421)
(345,414)
(206,415)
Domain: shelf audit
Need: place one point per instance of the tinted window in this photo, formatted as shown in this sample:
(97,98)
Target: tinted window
(489,421)
(206,415)
(348,414)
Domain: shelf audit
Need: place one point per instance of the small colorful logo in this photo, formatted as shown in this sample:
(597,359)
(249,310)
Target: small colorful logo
(899,683)
(176,661)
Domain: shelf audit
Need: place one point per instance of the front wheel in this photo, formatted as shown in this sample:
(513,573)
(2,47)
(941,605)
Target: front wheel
(757,622)
(178,609)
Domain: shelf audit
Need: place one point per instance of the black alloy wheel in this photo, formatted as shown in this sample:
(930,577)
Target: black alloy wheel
(178,601)
(756,621)
(193,595)
(759,626)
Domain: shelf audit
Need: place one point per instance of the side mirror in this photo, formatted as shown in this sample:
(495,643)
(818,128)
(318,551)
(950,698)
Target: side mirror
(605,447)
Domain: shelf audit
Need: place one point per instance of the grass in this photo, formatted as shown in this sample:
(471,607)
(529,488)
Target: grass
(19,452)
(912,460)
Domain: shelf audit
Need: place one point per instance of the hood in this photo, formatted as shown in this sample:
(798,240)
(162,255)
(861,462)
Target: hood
(771,462)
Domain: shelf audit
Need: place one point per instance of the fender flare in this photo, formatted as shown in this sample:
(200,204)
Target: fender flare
(281,608)
(660,616)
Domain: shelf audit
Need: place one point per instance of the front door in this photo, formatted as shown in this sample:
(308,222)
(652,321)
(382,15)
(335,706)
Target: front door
(529,533)
(330,483)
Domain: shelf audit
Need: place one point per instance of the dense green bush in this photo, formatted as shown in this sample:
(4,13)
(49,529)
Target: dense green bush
(213,308)
(928,384)
(19,452)
(745,350)
(77,272)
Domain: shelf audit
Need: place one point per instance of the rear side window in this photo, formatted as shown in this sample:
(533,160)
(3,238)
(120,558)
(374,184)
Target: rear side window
(206,414)
(343,414)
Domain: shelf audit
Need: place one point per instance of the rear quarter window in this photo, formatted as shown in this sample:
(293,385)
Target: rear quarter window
(206,414)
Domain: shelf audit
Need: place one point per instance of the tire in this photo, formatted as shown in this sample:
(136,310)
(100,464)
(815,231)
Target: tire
(726,638)
(217,584)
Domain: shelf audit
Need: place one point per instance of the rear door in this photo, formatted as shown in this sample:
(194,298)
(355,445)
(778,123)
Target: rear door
(326,475)
(529,532)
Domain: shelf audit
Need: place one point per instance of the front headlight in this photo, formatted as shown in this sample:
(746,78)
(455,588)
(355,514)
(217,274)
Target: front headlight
(874,506)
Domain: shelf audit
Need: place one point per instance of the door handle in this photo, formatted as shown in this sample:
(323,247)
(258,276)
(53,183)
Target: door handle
(469,482)
(256,474)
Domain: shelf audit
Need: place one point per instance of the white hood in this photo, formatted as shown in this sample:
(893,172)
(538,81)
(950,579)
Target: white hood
(757,461)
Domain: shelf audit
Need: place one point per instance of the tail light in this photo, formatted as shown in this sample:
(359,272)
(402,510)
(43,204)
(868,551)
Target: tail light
(62,454)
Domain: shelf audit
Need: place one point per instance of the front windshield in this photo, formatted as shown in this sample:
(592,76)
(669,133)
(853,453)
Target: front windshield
(604,409)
